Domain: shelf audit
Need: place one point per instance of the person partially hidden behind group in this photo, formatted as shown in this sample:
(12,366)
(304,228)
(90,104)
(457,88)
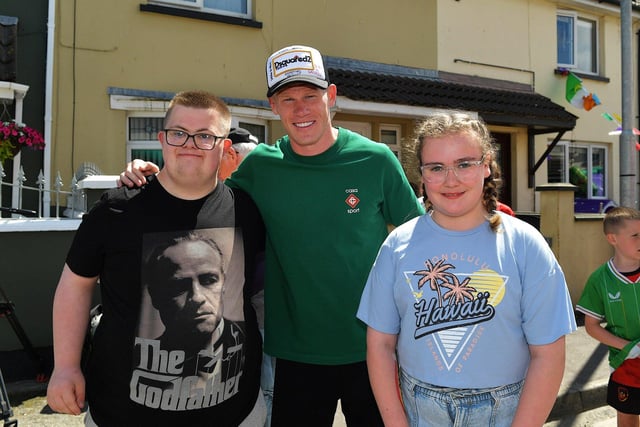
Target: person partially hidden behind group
(242,143)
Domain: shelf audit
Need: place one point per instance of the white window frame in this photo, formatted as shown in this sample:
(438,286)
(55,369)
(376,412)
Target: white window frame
(595,49)
(396,148)
(155,144)
(198,5)
(137,144)
(237,119)
(565,145)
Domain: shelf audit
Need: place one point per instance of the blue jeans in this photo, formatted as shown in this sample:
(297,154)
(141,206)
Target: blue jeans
(268,362)
(266,383)
(428,405)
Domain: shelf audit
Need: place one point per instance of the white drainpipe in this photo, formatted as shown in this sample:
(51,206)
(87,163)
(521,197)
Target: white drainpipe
(48,106)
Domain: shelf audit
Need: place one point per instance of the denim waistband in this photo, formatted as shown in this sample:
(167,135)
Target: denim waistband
(460,395)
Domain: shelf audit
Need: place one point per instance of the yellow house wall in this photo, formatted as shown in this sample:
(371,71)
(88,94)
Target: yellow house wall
(138,50)
(577,240)
(527,46)
(526,55)
(398,32)
(585,250)
(116,44)
(591,126)
(476,32)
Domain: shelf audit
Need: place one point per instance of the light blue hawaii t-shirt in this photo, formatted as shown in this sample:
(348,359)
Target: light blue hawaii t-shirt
(467,304)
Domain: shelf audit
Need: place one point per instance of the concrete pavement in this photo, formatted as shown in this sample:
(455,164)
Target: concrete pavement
(581,400)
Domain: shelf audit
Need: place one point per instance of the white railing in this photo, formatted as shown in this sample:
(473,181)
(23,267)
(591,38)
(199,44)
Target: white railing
(29,219)
(76,198)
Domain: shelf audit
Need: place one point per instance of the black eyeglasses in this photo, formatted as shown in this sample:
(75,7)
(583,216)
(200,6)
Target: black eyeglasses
(202,141)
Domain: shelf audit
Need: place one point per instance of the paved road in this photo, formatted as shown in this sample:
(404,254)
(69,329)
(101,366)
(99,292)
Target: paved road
(34,412)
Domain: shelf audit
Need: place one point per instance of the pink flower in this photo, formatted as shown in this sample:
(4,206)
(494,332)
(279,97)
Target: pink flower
(14,136)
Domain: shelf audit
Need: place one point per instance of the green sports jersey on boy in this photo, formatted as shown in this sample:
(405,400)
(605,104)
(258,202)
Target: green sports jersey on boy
(326,217)
(612,297)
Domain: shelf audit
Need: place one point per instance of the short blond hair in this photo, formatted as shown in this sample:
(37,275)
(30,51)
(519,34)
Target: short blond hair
(614,218)
(201,99)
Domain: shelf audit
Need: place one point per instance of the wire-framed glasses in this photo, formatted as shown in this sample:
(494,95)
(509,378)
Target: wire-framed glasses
(465,170)
(203,141)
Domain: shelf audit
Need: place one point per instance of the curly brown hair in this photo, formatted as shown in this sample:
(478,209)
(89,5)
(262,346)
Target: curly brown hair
(443,124)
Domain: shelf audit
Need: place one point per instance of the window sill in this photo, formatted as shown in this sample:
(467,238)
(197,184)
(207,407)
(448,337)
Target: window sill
(185,13)
(563,71)
(42,224)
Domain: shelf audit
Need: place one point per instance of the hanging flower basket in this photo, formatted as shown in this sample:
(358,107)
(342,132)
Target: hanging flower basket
(15,136)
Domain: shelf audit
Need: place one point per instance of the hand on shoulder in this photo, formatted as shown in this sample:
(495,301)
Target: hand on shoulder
(136,172)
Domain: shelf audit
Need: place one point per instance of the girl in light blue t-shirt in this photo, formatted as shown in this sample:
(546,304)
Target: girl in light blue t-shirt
(471,301)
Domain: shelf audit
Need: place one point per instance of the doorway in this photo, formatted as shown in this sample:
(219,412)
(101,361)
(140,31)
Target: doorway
(502,142)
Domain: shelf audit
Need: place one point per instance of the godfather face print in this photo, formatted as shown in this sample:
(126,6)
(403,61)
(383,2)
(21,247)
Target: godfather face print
(189,347)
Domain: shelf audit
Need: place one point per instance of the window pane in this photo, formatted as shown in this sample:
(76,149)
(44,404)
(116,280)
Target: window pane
(144,128)
(151,155)
(598,172)
(578,163)
(556,171)
(389,136)
(587,58)
(238,6)
(258,131)
(565,40)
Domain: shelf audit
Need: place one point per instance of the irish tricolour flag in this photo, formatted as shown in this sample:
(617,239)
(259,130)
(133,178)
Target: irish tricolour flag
(578,96)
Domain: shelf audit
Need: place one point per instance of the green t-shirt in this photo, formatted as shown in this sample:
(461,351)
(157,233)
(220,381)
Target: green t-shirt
(326,217)
(612,297)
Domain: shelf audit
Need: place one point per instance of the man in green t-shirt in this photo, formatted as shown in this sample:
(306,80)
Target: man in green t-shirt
(327,196)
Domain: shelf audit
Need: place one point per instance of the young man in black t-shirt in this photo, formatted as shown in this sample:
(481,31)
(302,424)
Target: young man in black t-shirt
(178,342)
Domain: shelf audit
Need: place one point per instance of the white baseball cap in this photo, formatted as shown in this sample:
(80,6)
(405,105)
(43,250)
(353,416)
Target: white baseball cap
(295,64)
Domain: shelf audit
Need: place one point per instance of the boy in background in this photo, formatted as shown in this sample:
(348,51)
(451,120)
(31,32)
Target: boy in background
(612,295)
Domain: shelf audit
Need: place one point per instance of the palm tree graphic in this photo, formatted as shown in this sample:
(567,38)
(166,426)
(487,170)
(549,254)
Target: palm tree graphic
(458,292)
(436,275)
